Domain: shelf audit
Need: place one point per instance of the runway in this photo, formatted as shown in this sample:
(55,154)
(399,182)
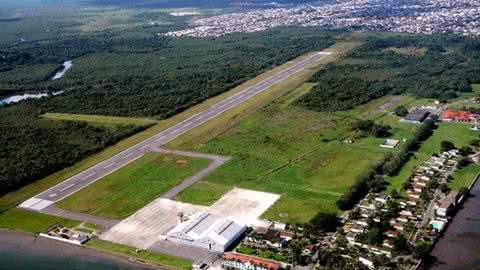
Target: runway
(89,176)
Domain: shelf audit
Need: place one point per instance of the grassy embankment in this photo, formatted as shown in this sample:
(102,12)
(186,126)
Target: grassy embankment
(311,171)
(125,191)
(143,256)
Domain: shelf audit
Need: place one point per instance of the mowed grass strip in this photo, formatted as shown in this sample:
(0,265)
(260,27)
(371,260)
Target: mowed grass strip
(145,256)
(125,191)
(464,176)
(100,119)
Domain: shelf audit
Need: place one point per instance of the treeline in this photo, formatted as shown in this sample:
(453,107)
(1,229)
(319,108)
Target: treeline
(433,66)
(373,179)
(32,148)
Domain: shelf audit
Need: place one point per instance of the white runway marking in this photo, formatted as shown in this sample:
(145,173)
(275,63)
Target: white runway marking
(67,187)
(145,146)
(52,195)
(88,176)
(126,156)
(109,165)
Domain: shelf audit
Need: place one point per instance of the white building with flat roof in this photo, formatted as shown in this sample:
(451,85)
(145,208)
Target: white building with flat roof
(207,231)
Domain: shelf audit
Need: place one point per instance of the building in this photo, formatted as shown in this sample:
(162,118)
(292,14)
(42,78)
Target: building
(416,116)
(457,116)
(448,204)
(246,262)
(389,143)
(207,231)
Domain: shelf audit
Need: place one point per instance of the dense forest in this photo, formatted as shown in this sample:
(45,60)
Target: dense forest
(124,74)
(31,147)
(424,66)
(154,76)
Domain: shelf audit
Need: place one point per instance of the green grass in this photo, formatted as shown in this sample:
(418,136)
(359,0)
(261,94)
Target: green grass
(459,134)
(99,119)
(310,171)
(144,255)
(464,176)
(125,191)
(30,222)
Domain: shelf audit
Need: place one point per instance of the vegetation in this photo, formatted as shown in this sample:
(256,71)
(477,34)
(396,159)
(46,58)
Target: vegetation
(144,255)
(15,219)
(125,191)
(31,148)
(458,134)
(311,172)
(373,178)
(447,68)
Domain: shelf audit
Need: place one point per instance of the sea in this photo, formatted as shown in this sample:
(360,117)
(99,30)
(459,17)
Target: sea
(23,252)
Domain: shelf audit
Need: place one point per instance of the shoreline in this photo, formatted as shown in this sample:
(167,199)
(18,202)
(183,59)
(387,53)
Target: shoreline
(27,243)
(461,238)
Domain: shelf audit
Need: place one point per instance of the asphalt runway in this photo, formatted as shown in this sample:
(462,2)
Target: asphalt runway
(89,176)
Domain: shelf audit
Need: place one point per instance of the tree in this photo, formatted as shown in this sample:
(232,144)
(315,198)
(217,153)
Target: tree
(422,250)
(444,188)
(465,150)
(446,146)
(463,162)
(326,222)
(400,111)
(401,244)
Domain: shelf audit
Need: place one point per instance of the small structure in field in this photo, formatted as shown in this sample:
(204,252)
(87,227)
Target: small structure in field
(389,143)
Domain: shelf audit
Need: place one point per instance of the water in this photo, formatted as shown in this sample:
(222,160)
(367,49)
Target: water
(459,248)
(66,66)
(18,98)
(22,252)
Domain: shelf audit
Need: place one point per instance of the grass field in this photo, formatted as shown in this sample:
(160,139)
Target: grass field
(459,134)
(123,192)
(310,171)
(16,219)
(100,119)
(464,176)
(144,256)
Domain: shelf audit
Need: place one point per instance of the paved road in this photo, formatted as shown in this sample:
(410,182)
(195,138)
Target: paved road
(89,176)
(217,161)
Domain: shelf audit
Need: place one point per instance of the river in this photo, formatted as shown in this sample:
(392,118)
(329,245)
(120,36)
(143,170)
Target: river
(459,248)
(66,66)
(24,252)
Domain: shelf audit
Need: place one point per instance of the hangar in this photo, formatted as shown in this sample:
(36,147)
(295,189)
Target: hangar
(207,231)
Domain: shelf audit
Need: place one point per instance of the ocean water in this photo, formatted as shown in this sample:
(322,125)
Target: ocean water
(22,258)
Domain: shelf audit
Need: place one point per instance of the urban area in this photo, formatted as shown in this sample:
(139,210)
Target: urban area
(435,16)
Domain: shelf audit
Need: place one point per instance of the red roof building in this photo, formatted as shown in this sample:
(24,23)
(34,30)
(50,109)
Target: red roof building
(246,262)
(459,116)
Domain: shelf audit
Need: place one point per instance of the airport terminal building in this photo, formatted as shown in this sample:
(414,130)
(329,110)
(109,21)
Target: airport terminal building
(207,231)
